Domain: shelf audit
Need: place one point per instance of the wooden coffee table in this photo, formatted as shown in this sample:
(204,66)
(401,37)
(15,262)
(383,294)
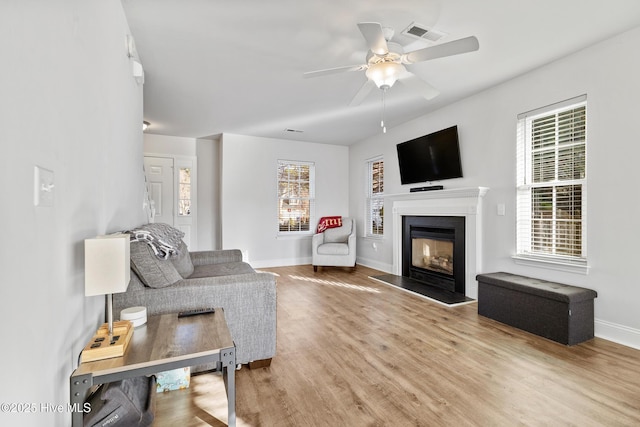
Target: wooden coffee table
(165,342)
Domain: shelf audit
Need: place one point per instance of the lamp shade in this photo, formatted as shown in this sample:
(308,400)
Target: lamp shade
(106,264)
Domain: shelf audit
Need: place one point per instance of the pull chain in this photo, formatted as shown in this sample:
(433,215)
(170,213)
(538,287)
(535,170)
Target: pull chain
(384,128)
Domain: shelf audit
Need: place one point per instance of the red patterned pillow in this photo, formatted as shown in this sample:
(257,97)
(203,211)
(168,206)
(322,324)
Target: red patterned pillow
(329,222)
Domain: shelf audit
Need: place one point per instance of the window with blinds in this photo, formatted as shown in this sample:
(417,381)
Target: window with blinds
(552,179)
(296,194)
(375,198)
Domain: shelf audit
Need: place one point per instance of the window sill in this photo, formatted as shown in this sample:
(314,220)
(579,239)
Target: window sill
(552,264)
(374,237)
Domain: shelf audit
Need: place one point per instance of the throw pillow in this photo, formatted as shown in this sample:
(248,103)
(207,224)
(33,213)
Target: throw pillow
(182,262)
(328,222)
(153,272)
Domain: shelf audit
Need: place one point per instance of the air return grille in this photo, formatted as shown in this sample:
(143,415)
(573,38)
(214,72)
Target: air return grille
(420,31)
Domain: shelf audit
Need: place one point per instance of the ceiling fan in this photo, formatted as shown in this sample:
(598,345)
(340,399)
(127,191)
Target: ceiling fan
(386,61)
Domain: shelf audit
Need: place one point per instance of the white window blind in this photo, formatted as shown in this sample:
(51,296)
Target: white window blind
(551,191)
(296,196)
(375,198)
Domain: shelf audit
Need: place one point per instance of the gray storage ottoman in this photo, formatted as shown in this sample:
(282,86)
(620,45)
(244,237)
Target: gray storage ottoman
(552,310)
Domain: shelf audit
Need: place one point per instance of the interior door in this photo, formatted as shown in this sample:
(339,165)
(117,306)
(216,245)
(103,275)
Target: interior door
(159,174)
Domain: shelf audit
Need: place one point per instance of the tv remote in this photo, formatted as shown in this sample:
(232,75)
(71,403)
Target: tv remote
(195,312)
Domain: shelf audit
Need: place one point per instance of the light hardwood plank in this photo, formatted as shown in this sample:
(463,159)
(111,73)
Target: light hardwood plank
(354,352)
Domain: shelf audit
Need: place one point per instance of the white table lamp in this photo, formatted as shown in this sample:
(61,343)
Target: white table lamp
(107,268)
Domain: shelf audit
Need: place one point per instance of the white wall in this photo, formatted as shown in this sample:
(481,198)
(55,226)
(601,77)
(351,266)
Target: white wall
(608,73)
(208,152)
(169,145)
(69,104)
(249,208)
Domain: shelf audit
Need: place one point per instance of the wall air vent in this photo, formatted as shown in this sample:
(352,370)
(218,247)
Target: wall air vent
(419,31)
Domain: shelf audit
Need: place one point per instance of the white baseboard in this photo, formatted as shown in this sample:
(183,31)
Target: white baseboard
(617,333)
(285,262)
(384,267)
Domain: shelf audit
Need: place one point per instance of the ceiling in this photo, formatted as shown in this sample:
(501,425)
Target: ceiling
(236,66)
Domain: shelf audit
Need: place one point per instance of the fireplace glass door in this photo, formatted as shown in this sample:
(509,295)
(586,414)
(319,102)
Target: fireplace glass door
(433,255)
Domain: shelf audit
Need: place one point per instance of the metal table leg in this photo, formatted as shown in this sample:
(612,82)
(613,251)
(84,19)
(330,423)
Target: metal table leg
(78,387)
(228,360)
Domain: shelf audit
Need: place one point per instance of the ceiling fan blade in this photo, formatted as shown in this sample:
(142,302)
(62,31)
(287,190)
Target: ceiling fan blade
(334,70)
(467,44)
(373,34)
(362,93)
(418,85)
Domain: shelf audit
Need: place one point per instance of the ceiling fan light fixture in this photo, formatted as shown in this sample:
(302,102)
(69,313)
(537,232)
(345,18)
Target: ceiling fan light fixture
(384,73)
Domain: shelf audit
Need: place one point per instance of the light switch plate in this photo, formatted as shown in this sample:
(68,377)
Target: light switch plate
(43,186)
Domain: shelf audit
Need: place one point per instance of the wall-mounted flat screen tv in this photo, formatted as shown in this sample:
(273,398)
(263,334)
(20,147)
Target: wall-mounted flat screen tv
(431,157)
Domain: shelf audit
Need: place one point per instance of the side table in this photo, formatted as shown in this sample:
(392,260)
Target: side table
(165,342)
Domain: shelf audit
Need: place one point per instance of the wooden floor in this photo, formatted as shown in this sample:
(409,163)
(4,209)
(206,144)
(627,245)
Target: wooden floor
(355,352)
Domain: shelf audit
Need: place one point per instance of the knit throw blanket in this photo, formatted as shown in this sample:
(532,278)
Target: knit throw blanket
(162,238)
(329,222)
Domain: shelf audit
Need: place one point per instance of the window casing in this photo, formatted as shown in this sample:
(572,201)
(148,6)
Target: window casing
(296,197)
(552,182)
(375,198)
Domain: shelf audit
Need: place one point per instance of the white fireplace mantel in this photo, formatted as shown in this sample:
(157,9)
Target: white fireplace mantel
(465,202)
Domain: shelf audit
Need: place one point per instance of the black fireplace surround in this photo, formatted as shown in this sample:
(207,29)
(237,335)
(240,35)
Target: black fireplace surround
(438,228)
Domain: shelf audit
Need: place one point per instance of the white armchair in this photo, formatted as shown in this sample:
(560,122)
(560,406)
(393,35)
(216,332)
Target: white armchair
(335,246)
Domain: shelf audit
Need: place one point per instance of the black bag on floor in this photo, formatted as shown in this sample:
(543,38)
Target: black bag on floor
(129,402)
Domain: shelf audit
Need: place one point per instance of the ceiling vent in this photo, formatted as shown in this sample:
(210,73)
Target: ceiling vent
(419,31)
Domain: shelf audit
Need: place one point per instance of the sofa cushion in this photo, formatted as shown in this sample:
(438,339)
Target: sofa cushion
(221,269)
(152,271)
(182,262)
(338,234)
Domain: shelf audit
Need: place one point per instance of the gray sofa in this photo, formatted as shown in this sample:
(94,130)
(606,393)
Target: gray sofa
(207,279)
